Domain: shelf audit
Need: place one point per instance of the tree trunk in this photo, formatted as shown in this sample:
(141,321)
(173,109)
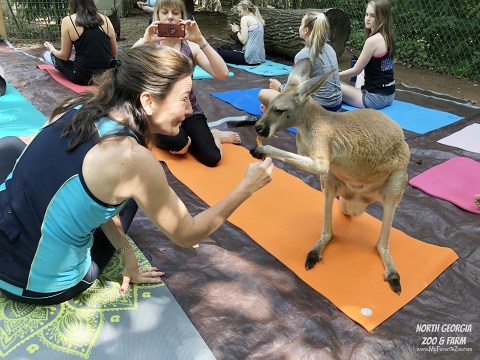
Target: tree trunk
(281,29)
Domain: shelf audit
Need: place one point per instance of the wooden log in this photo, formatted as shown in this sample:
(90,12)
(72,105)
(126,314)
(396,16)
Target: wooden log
(281,29)
(3,32)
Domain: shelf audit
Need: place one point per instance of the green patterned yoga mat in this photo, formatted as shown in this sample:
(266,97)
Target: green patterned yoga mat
(145,323)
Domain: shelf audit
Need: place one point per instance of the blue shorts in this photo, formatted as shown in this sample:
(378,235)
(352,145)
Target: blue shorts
(376,101)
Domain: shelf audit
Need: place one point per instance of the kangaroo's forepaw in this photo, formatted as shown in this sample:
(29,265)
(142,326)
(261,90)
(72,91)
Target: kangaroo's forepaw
(312,258)
(256,152)
(394,282)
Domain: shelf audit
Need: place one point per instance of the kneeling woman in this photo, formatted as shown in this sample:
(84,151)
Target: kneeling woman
(58,224)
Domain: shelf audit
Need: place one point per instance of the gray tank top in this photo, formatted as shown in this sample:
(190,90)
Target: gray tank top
(254,49)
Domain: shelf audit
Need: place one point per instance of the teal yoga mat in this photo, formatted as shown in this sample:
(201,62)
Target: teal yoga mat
(199,74)
(268,68)
(145,323)
(18,116)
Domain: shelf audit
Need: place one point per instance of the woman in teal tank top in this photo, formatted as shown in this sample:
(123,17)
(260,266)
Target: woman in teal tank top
(73,191)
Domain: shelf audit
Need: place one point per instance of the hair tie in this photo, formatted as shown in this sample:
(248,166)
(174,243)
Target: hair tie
(115,63)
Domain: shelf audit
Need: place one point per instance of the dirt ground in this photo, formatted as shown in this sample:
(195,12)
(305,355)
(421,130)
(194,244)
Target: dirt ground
(215,24)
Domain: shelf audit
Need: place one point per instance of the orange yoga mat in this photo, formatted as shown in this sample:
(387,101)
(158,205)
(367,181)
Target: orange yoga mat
(286,218)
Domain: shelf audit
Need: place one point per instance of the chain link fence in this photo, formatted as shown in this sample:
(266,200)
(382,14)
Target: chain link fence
(33,21)
(443,36)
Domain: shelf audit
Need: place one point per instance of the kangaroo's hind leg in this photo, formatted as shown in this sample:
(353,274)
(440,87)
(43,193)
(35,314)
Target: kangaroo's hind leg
(392,191)
(315,254)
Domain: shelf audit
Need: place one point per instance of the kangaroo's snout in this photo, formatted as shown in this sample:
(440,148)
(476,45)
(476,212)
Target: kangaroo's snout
(262,130)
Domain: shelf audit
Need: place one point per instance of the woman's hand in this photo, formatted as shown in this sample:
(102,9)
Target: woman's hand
(235,28)
(275,84)
(258,175)
(48,45)
(131,273)
(150,35)
(192,32)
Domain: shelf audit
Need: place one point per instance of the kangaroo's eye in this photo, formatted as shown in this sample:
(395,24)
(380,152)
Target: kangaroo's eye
(278,111)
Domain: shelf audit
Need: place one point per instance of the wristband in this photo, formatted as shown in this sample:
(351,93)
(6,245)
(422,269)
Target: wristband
(124,249)
(204,45)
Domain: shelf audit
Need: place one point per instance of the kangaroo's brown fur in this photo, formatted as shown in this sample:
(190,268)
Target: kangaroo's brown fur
(360,155)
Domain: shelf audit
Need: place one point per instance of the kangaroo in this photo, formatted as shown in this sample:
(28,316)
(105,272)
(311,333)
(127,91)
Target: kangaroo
(360,155)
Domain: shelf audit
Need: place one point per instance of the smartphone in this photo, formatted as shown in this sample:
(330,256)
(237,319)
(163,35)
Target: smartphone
(171,30)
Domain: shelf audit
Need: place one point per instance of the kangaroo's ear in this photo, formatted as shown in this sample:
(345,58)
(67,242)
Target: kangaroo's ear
(308,87)
(300,72)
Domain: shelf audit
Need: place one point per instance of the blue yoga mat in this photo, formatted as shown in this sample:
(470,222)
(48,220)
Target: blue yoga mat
(199,74)
(246,100)
(409,116)
(18,116)
(268,68)
(415,118)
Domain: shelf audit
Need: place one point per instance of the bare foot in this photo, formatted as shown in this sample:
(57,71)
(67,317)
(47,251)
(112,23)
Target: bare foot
(228,137)
(476,200)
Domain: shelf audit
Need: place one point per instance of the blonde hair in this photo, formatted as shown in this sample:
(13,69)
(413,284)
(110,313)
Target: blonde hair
(384,21)
(319,32)
(248,5)
(169,3)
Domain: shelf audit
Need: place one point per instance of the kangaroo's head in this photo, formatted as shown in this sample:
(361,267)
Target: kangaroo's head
(286,109)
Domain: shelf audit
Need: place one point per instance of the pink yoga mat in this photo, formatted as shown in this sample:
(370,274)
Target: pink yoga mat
(60,78)
(456,180)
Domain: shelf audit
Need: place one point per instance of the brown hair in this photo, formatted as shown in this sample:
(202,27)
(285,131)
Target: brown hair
(87,13)
(384,22)
(145,68)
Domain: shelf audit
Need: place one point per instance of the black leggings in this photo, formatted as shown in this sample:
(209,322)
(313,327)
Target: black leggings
(203,145)
(67,68)
(233,56)
(102,250)
(11,148)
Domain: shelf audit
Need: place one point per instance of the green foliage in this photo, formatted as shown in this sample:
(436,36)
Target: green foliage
(34,19)
(440,35)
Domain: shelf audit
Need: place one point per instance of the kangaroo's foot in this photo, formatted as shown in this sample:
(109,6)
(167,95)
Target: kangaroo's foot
(312,258)
(394,282)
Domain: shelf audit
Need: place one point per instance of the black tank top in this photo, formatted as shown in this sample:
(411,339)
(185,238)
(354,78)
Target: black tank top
(379,75)
(93,52)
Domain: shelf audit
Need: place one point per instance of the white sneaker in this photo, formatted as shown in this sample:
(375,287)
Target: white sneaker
(48,57)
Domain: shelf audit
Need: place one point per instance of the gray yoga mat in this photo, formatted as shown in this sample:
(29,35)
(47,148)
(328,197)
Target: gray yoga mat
(146,323)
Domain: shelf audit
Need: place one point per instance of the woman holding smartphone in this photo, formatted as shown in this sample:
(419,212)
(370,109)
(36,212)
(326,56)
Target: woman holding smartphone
(195,136)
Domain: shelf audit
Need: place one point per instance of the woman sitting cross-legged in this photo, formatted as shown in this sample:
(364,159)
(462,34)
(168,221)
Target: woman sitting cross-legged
(314,29)
(250,33)
(93,37)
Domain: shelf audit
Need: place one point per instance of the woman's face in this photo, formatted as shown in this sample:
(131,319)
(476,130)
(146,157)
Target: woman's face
(302,30)
(242,11)
(169,14)
(370,21)
(169,113)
